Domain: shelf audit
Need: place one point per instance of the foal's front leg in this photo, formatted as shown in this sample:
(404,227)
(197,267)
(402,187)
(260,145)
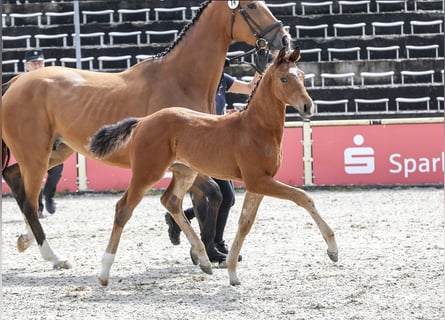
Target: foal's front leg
(248,213)
(270,187)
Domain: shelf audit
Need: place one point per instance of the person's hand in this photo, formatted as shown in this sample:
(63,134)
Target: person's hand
(261,59)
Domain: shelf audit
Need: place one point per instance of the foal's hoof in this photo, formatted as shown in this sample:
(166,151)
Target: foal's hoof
(333,256)
(194,257)
(234,281)
(62,265)
(102,282)
(206,269)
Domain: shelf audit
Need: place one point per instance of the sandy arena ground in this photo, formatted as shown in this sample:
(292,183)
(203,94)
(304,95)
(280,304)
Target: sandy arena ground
(391,262)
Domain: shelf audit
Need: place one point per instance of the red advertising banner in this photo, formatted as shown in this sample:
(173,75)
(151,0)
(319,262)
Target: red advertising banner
(101,177)
(291,171)
(68,181)
(378,154)
(292,165)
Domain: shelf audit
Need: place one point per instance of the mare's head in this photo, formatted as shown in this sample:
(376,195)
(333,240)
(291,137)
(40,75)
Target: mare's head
(253,23)
(288,82)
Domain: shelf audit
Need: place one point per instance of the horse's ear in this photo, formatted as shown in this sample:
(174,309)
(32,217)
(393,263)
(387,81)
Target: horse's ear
(281,56)
(295,56)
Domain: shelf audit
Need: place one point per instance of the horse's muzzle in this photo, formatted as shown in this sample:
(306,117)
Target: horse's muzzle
(306,110)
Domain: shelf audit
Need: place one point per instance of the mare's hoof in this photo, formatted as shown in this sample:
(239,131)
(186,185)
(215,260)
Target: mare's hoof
(62,265)
(23,243)
(333,256)
(103,283)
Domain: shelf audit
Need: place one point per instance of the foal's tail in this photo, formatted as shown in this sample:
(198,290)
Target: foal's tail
(111,137)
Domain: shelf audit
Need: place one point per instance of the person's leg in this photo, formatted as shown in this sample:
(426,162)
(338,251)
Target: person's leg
(228,194)
(41,205)
(49,190)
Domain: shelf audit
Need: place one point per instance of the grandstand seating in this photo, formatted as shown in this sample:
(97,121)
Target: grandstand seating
(355,4)
(49,15)
(371,102)
(133,12)
(71,62)
(365,52)
(107,12)
(374,75)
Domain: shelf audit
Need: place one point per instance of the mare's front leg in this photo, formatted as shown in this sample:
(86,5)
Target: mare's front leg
(172,198)
(248,214)
(270,187)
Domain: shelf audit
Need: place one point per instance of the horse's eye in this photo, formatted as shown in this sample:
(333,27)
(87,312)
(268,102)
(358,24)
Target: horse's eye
(251,6)
(283,79)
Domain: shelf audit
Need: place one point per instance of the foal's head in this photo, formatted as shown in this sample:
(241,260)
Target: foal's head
(288,82)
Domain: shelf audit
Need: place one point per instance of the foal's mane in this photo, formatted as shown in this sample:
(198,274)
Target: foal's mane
(253,91)
(185,29)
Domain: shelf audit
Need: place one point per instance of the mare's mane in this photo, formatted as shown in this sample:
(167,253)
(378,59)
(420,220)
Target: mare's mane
(184,30)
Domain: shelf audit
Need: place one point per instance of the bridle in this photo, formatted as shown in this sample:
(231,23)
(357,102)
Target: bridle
(261,42)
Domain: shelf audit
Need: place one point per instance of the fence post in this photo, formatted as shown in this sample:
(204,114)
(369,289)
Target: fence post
(307,153)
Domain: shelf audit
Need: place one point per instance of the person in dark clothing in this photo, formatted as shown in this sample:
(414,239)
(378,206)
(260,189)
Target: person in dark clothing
(34,60)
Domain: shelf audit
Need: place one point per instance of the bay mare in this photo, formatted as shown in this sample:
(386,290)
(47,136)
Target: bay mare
(243,146)
(58,108)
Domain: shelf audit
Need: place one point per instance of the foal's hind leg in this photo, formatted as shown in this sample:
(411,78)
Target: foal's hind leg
(248,213)
(124,210)
(172,198)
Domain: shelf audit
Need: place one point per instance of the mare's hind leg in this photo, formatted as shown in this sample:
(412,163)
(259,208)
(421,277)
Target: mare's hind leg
(172,198)
(13,178)
(248,214)
(32,181)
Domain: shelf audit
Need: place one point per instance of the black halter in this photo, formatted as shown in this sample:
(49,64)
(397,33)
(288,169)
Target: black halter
(261,42)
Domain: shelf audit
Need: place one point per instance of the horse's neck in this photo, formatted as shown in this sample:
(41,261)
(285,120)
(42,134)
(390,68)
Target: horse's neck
(265,110)
(198,58)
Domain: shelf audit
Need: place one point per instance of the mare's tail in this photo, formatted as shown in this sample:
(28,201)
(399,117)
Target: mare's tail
(6,155)
(111,137)
(6,85)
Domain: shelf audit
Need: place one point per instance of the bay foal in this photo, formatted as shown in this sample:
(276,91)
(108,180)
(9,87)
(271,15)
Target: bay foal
(248,149)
